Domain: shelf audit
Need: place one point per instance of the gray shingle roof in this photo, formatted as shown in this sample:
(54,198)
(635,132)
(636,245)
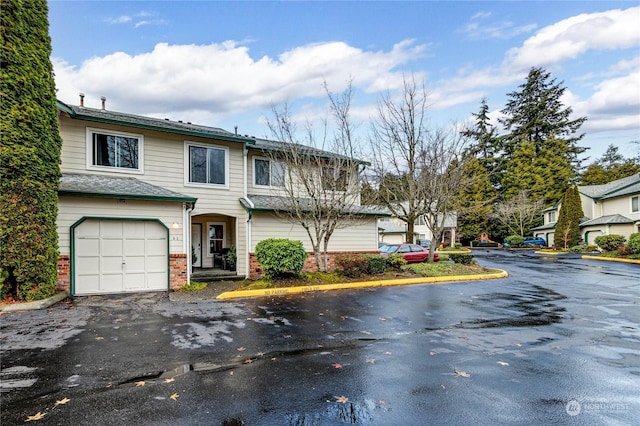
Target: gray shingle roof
(616,188)
(114,117)
(85,185)
(273,203)
(607,220)
(275,146)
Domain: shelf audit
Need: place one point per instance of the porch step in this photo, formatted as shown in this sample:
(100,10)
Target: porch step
(212,275)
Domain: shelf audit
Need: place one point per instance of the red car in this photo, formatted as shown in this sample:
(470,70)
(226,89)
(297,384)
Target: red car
(412,253)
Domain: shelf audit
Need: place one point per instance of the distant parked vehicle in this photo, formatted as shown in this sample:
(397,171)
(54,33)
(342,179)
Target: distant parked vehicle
(534,241)
(412,253)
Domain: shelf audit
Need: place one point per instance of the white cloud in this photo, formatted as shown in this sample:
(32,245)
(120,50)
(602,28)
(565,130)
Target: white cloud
(223,78)
(479,29)
(118,20)
(569,38)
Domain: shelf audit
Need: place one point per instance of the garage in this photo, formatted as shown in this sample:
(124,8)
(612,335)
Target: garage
(119,256)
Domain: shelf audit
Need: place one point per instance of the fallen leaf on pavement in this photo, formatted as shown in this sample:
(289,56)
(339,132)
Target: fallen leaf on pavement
(169,380)
(388,353)
(62,401)
(141,383)
(342,399)
(461,373)
(503,363)
(432,353)
(174,396)
(337,365)
(443,386)
(240,349)
(371,361)
(99,338)
(35,417)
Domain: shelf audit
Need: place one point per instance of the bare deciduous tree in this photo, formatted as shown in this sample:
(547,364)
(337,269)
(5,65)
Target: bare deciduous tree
(418,172)
(518,213)
(320,185)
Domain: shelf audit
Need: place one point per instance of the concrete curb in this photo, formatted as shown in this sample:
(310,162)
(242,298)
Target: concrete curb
(612,259)
(37,304)
(361,284)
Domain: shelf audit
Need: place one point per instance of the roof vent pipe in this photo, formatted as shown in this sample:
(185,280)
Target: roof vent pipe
(104,101)
(81,99)
(236,129)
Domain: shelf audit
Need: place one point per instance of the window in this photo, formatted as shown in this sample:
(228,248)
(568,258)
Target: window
(635,204)
(216,238)
(552,217)
(268,173)
(207,165)
(115,151)
(334,179)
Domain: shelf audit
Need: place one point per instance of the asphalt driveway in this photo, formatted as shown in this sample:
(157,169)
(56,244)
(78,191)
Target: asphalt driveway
(556,342)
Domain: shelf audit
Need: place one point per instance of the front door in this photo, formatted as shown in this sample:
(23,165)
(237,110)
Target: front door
(196,243)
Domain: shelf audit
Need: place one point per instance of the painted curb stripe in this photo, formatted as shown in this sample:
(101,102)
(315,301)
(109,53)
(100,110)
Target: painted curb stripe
(361,284)
(613,259)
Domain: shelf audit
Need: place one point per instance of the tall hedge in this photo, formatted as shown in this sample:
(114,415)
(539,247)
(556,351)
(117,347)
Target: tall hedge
(567,232)
(29,153)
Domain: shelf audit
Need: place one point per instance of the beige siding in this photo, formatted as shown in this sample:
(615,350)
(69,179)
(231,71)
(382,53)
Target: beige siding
(620,205)
(72,209)
(359,236)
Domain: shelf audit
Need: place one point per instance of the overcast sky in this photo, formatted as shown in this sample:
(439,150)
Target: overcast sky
(226,63)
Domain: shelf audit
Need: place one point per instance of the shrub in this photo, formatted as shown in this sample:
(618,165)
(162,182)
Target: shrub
(634,243)
(591,247)
(352,265)
(377,264)
(462,258)
(279,257)
(396,261)
(576,249)
(609,242)
(457,246)
(192,286)
(514,240)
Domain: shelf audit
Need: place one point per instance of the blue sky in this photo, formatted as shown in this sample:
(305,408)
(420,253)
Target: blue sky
(226,63)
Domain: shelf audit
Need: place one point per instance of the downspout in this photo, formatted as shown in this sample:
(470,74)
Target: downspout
(247,229)
(186,219)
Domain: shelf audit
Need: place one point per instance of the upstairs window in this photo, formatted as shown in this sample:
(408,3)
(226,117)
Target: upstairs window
(635,204)
(334,179)
(207,165)
(114,151)
(552,217)
(268,173)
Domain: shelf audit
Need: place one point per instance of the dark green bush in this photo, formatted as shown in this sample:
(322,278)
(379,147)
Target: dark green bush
(514,240)
(609,242)
(634,243)
(280,257)
(457,245)
(377,264)
(462,258)
(396,261)
(576,249)
(352,265)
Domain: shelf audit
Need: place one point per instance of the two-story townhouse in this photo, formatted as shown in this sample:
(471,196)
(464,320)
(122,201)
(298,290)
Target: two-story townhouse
(141,198)
(611,208)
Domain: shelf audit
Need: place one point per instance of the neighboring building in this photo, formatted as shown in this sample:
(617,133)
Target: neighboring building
(612,208)
(394,231)
(141,197)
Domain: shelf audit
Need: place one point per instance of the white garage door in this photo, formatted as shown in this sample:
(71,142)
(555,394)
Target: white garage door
(118,256)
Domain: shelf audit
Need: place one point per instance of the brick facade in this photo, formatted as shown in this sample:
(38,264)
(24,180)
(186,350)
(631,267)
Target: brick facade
(177,270)
(64,273)
(310,265)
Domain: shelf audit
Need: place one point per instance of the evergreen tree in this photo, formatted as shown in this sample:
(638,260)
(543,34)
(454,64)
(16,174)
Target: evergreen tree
(541,135)
(486,143)
(611,166)
(567,232)
(29,153)
(474,204)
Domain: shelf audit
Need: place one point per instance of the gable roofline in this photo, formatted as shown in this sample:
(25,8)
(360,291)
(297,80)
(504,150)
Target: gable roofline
(267,145)
(148,123)
(612,189)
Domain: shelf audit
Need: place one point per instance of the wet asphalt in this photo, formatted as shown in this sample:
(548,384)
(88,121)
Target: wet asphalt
(557,342)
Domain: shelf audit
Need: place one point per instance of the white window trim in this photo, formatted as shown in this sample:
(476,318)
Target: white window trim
(253,170)
(224,236)
(187,166)
(631,204)
(89,151)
